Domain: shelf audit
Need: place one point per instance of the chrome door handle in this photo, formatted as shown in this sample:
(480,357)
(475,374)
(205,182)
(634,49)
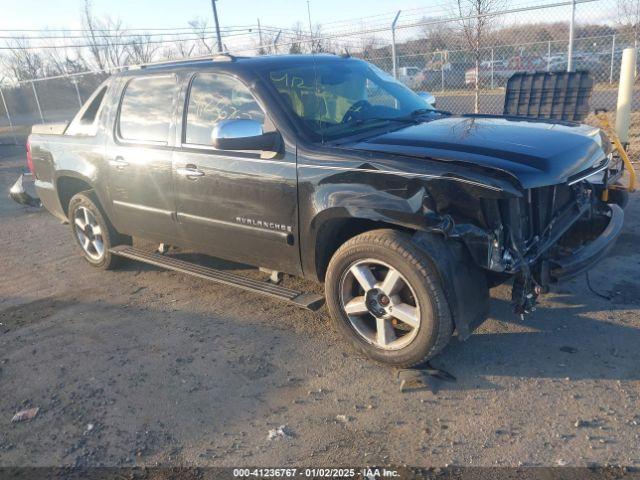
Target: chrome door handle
(190,172)
(118,163)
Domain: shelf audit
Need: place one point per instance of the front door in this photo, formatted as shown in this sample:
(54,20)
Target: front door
(140,159)
(234,204)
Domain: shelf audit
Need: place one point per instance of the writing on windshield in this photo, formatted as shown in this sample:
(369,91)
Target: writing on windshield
(340,97)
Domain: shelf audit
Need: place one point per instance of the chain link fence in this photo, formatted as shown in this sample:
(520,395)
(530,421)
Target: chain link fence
(441,55)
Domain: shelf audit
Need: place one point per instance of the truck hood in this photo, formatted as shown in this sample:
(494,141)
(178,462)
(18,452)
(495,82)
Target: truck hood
(536,152)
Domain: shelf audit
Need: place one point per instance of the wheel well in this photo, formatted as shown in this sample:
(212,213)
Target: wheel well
(336,232)
(67,188)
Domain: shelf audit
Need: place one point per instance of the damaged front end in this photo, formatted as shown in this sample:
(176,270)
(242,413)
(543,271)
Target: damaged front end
(23,191)
(548,234)
(554,233)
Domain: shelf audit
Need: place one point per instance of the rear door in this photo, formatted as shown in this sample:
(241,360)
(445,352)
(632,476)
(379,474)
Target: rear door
(140,158)
(241,205)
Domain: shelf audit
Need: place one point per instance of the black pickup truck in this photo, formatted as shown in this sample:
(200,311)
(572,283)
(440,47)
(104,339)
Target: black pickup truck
(328,168)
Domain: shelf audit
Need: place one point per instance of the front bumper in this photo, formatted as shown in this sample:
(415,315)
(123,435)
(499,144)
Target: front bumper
(586,256)
(20,191)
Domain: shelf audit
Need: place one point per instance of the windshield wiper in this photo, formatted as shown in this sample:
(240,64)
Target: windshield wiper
(412,117)
(420,112)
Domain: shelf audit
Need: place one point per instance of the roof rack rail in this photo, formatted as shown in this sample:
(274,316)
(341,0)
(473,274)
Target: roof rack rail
(224,57)
(220,57)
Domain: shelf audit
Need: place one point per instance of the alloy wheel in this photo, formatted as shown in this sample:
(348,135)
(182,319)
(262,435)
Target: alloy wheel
(381,305)
(89,233)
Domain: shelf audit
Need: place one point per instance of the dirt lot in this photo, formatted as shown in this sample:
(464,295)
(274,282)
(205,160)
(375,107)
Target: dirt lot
(142,367)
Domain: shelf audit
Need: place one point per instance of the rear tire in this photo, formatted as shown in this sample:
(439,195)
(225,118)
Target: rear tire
(398,311)
(93,231)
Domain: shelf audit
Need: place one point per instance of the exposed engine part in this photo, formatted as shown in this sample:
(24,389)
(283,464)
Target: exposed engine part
(499,258)
(524,295)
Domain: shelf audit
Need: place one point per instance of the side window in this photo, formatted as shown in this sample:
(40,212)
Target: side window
(214,97)
(147,105)
(85,123)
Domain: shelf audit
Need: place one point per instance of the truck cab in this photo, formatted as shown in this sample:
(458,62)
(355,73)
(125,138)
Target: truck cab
(328,168)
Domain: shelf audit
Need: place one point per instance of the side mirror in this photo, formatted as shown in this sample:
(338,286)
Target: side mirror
(244,134)
(430,98)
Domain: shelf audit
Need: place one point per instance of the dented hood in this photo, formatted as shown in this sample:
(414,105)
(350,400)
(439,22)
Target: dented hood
(536,152)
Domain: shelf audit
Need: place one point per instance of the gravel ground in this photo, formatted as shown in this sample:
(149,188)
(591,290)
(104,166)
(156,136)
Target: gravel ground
(143,367)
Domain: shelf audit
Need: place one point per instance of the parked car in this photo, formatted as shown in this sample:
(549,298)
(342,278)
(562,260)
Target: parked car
(408,75)
(502,70)
(599,70)
(441,77)
(328,168)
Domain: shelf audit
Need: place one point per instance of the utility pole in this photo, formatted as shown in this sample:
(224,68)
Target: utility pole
(215,18)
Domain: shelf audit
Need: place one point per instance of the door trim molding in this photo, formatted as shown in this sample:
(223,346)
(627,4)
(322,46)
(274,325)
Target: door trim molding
(259,232)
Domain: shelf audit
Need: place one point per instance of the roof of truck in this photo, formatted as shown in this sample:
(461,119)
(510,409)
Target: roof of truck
(226,59)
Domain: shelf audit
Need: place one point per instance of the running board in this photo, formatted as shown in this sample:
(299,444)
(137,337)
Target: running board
(310,301)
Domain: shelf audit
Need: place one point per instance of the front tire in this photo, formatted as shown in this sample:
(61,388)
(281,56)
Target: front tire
(386,297)
(92,231)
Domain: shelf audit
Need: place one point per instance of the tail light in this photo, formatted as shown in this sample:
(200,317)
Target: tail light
(29,157)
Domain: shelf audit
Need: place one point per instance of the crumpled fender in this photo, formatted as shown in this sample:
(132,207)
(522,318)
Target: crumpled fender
(465,284)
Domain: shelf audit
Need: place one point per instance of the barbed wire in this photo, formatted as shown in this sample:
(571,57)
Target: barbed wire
(505,46)
(121,34)
(426,22)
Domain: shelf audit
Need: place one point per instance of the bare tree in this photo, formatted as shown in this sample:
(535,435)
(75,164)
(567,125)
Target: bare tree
(94,45)
(106,40)
(200,27)
(141,50)
(475,22)
(181,48)
(55,60)
(266,46)
(62,61)
(629,17)
(297,38)
(319,44)
(439,36)
(22,62)
(116,42)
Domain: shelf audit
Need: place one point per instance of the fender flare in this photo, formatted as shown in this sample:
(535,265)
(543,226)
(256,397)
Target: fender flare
(75,175)
(324,226)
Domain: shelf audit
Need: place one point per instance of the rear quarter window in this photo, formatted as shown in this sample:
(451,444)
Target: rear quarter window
(85,122)
(147,108)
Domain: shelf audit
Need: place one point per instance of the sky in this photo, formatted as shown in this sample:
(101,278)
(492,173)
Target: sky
(35,14)
(335,16)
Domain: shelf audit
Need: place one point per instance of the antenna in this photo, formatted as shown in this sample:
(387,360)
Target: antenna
(313,56)
(310,27)
(215,19)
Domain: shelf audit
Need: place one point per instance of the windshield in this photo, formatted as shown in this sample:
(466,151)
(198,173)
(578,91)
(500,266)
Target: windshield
(349,96)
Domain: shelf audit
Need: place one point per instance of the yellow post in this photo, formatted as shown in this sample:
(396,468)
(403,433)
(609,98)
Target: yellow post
(606,126)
